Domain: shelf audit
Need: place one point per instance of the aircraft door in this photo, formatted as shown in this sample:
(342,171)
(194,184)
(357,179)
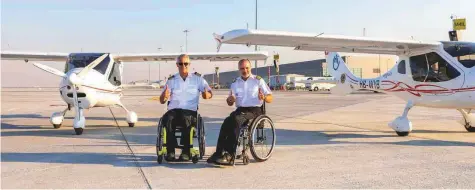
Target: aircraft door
(115,76)
(434,75)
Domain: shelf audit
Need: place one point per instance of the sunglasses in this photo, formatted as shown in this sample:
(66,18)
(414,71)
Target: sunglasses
(181,64)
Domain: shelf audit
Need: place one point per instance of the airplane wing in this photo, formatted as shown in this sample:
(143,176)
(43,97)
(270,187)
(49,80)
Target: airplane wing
(35,56)
(219,56)
(322,42)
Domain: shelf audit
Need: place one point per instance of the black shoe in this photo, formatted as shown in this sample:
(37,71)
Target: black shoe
(184,157)
(225,159)
(214,157)
(170,157)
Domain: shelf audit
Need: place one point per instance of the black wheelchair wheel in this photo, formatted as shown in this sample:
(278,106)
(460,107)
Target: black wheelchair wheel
(262,138)
(201,137)
(159,144)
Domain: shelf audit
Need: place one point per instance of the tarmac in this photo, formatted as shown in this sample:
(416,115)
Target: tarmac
(323,141)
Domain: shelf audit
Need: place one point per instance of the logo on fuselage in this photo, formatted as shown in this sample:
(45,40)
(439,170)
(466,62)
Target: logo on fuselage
(343,78)
(336,62)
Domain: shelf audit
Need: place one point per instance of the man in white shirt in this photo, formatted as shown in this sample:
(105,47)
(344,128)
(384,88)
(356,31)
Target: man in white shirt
(248,92)
(182,92)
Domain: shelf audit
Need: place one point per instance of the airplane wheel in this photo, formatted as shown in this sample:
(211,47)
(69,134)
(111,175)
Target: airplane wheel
(131,124)
(78,131)
(469,128)
(56,126)
(402,134)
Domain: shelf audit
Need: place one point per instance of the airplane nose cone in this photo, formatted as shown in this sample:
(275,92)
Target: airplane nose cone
(74,79)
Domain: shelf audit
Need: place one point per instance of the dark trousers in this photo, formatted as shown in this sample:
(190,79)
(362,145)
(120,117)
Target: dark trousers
(178,117)
(230,128)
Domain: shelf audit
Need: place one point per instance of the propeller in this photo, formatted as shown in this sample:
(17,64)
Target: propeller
(50,70)
(92,65)
(76,81)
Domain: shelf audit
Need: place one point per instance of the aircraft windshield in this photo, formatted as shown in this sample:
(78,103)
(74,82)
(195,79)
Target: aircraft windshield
(431,67)
(464,51)
(82,60)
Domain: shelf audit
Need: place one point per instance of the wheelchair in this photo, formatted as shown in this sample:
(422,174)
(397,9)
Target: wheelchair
(253,136)
(197,132)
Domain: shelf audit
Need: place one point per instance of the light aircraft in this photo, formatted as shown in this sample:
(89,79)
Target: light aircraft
(95,79)
(429,74)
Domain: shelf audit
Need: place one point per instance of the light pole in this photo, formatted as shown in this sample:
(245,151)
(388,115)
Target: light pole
(379,60)
(186,39)
(255,62)
(159,70)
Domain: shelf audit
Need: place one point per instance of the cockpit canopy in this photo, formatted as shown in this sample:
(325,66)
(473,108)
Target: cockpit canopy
(80,60)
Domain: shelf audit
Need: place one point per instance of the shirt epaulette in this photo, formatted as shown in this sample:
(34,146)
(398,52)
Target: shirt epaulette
(258,77)
(197,74)
(235,80)
(171,77)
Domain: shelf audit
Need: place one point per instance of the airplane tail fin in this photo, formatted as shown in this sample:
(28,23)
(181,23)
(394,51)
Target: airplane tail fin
(218,38)
(346,81)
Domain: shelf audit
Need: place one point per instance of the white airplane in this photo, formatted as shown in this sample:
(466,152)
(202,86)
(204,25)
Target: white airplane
(95,79)
(429,74)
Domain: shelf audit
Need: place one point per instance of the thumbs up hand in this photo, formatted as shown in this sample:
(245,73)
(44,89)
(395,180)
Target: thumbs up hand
(165,95)
(231,99)
(261,95)
(206,94)
(167,92)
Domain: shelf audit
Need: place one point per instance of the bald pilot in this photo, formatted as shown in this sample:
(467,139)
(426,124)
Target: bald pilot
(248,92)
(182,92)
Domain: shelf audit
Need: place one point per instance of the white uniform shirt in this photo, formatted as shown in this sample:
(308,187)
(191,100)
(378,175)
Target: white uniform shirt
(247,92)
(185,94)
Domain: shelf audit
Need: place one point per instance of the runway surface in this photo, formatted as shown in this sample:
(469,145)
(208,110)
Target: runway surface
(323,141)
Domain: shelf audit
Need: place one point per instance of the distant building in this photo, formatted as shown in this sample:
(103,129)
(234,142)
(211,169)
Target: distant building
(361,66)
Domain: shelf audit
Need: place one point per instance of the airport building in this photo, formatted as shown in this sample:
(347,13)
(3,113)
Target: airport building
(362,66)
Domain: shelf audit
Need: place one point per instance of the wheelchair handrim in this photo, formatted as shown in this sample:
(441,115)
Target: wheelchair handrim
(253,135)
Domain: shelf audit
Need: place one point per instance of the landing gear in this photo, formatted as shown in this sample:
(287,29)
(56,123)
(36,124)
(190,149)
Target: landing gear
(131,116)
(79,122)
(78,131)
(402,134)
(469,128)
(57,118)
(401,124)
(468,120)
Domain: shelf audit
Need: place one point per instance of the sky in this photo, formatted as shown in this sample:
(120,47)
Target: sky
(140,26)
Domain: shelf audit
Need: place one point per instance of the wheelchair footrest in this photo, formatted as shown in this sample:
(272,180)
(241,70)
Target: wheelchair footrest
(179,136)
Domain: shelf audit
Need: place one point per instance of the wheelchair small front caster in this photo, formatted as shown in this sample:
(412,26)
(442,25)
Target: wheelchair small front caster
(160,159)
(194,159)
(245,160)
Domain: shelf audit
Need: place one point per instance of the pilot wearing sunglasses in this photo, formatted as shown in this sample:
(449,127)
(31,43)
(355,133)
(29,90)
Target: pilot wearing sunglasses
(182,92)
(249,93)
